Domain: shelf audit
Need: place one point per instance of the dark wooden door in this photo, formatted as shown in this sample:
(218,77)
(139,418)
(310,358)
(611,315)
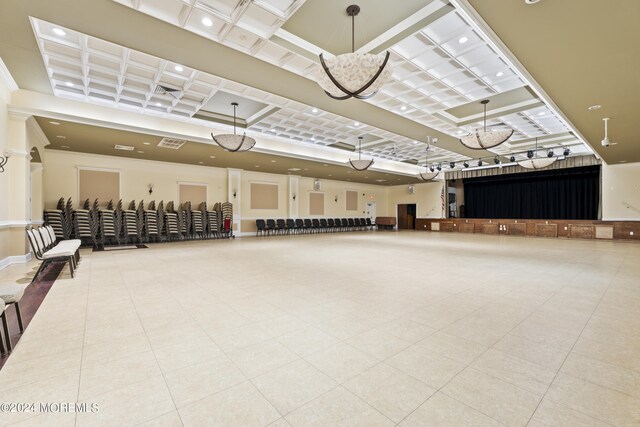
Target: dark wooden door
(402,217)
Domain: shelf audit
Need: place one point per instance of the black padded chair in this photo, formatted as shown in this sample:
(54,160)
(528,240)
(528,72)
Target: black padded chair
(281,226)
(315,225)
(338,224)
(300,225)
(369,224)
(356,223)
(261,227)
(307,225)
(324,225)
(271,226)
(345,224)
(291,226)
(351,223)
(331,226)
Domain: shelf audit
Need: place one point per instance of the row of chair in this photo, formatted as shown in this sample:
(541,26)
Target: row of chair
(311,225)
(45,248)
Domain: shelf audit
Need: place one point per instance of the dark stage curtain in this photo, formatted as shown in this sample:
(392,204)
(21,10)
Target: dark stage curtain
(571,193)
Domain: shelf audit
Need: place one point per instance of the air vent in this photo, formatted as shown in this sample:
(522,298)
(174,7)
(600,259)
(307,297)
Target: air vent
(343,146)
(171,143)
(124,147)
(166,90)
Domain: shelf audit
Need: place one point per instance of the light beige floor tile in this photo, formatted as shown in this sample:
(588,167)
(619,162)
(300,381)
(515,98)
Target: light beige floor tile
(453,347)
(406,330)
(552,414)
(540,353)
(429,367)
(442,410)
(380,345)
(130,405)
(293,385)
(390,391)
(97,378)
(614,377)
(172,419)
(621,355)
(500,400)
(63,419)
(282,325)
(596,401)
(307,341)
(341,361)
(202,379)
(19,372)
(519,372)
(236,338)
(115,349)
(241,405)
(261,358)
(177,356)
(339,407)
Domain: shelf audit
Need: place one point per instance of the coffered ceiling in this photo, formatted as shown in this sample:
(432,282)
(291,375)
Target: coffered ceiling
(263,54)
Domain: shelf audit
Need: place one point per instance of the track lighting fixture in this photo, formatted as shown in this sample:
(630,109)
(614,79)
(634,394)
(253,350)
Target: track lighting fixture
(439,167)
(479,162)
(431,168)
(465,164)
(452,165)
(512,159)
(496,160)
(550,153)
(566,152)
(530,154)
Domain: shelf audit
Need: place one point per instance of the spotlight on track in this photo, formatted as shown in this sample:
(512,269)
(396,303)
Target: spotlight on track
(465,164)
(439,167)
(512,159)
(550,154)
(431,168)
(530,154)
(479,162)
(496,160)
(452,165)
(566,152)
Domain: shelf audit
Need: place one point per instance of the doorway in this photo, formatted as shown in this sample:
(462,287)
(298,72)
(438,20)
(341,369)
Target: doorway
(407,217)
(371,211)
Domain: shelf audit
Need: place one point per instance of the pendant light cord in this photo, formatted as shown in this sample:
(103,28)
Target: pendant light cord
(485,117)
(234,119)
(353,33)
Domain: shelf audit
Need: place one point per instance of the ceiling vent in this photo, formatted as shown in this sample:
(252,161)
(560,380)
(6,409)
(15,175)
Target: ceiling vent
(124,147)
(174,144)
(166,90)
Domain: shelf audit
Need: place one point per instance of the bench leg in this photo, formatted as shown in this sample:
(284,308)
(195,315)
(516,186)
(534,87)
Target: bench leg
(7,336)
(19,316)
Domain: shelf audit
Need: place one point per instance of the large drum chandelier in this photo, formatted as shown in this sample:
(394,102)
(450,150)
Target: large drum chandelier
(353,75)
(360,164)
(233,142)
(482,139)
(535,161)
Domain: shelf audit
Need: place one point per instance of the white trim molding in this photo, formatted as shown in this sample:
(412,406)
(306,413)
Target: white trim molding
(15,259)
(7,78)
(15,224)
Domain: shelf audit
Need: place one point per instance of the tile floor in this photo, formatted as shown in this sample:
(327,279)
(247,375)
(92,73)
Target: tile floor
(360,329)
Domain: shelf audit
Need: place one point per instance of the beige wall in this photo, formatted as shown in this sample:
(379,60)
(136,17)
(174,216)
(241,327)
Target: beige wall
(621,192)
(427,199)
(333,189)
(61,178)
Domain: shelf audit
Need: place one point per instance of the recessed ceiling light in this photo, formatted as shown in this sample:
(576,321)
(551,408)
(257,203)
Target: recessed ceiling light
(325,165)
(59,32)
(54,123)
(306,169)
(415,142)
(273,161)
(178,68)
(531,1)
(212,157)
(257,166)
(146,143)
(348,171)
(200,163)
(64,146)
(294,169)
(207,22)
(460,132)
(404,107)
(541,113)
(595,107)
(314,111)
(330,175)
(68,84)
(272,130)
(140,151)
(499,74)
(313,139)
(158,104)
(623,161)
(61,137)
(356,124)
(463,40)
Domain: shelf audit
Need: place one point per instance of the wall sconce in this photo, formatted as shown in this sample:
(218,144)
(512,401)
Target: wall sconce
(336,199)
(150,188)
(234,194)
(3,161)
(294,196)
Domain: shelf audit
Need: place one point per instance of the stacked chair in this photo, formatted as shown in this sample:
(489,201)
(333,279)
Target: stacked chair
(311,225)
(114,225)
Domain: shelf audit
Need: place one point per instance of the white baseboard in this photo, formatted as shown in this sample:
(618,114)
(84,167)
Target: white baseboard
(16,259)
